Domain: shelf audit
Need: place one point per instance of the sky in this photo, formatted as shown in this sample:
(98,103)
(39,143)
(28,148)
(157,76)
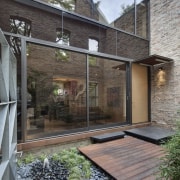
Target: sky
(112,8)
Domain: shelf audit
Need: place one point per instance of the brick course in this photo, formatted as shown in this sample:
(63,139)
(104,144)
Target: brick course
(44,25)
(165,41)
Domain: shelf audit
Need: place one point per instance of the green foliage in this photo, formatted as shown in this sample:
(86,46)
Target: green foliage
(61,55)
(170,165)
(56,157)
(92,61)
(77,165)
(126,8)
(29,158)
(42,157)
(66,4)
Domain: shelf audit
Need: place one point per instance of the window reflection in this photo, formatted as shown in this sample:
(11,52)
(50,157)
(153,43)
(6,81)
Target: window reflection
(22,26)
(107,93)
(126,20)
(93,46)
(119,13)
(56,93)
(142,18)
(62,37)
(64,4)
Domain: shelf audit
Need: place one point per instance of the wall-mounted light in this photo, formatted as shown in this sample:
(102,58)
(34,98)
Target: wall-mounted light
(161,77)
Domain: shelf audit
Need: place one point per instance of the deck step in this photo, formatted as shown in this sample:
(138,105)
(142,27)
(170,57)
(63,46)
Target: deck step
(153,134)
(107,137)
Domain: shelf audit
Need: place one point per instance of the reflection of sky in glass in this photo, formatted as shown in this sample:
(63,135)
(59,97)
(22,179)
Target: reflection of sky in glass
(93,45)
(112,8)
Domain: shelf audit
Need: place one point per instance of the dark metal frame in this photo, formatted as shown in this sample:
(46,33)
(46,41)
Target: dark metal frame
(25,40)
(55,10)
(129,93)
(8,106)
(128,61)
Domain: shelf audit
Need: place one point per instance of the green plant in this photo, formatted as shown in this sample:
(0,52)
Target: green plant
(42,157)
(78,166)
(56,157)
(170,165)
(28,158)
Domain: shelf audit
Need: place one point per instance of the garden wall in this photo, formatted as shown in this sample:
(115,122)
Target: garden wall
(165,41)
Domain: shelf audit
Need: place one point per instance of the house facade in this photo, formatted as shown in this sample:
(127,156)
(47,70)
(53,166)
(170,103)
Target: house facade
(165,40)
(77,72)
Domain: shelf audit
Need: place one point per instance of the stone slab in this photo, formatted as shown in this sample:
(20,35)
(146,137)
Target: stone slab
(152,134)
(107,137)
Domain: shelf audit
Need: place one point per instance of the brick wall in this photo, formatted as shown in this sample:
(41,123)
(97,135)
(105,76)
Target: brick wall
(165,41)
(126,21)
(44,26)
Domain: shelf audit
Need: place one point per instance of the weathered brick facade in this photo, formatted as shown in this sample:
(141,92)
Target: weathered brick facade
(165,41)
(44,25)
(43,67)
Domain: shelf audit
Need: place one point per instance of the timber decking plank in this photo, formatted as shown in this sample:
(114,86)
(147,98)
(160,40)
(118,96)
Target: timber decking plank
(127,158)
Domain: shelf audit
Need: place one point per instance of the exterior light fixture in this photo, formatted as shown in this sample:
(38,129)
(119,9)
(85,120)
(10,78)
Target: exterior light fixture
(161,77)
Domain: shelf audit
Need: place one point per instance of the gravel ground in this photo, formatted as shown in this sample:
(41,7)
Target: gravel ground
(56,171)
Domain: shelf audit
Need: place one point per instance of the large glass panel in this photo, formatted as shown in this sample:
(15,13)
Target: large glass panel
(142,18)
(107,93)
(117,13)
(68,5)
(56,91)
(77,32)
(22,26)
(131,47)
(110,43)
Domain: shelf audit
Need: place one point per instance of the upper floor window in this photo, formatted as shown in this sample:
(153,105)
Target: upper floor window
(62,37)
(64,4)
(20,26)
(93,46)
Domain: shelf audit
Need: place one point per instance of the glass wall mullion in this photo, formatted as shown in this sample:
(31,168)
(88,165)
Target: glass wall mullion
(87,90)
(135,17)
(128,93)
(23,90)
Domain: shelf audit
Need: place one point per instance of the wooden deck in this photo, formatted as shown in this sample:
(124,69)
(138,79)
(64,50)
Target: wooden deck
(126,159)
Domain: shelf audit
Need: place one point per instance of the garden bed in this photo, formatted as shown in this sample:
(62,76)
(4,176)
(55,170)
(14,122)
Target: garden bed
(65,165)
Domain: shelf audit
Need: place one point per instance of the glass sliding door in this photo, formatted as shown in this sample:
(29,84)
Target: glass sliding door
(56,91)
(107,92)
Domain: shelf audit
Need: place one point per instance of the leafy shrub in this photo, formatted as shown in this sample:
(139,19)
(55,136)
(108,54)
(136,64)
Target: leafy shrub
(170,165)
(28,158)
(77,165)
